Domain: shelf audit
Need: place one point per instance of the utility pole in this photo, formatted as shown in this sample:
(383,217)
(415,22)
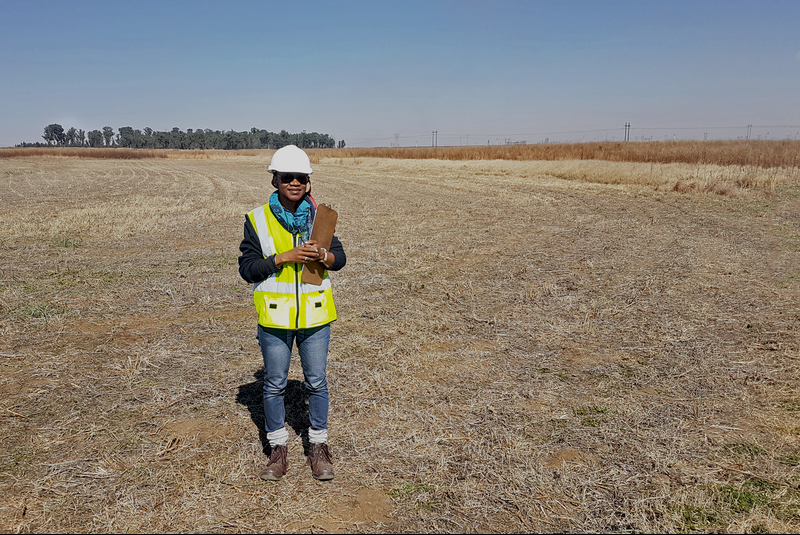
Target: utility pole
(396,137)
(748,130)
(627,127)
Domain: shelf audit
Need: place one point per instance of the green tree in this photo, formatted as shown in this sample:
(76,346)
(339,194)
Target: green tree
(199,138)
(108,135)
(95,138)
(71,136)
(54,133)
(126,137)
(48,134)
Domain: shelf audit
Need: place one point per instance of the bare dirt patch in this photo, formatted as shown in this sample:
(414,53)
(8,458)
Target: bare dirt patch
(516,351)
(567,456)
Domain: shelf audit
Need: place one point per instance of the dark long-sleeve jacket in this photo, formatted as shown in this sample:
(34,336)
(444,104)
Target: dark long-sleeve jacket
(253,267)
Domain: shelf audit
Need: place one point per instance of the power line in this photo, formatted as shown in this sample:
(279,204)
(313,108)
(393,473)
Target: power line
(747,131)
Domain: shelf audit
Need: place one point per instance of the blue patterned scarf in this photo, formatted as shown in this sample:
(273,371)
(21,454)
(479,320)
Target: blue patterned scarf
(299,222)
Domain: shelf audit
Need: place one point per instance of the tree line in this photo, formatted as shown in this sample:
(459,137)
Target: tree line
(147,138)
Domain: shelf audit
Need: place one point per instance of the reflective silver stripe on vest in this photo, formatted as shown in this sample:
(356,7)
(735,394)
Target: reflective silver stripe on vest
(262,229)
(273,286)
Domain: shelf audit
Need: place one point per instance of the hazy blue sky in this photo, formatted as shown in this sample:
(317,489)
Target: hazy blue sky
(364,71)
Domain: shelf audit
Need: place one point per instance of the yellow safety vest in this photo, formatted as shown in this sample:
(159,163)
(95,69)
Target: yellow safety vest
(282,301)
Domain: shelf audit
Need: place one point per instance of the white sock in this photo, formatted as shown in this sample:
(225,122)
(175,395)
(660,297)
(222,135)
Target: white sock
(317,436)
(278,438)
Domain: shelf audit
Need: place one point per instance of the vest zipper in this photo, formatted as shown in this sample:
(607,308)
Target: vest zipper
(297,269)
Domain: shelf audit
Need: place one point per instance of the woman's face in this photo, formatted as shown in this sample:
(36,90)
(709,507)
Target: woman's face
(291,186)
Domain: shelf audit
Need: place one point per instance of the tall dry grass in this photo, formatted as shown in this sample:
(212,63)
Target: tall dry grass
(755,153)
(758,153)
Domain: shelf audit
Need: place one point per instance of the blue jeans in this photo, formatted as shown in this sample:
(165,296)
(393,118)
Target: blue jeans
(276,347)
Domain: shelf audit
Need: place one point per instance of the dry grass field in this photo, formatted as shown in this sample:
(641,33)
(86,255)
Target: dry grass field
(523,346)
(773,153)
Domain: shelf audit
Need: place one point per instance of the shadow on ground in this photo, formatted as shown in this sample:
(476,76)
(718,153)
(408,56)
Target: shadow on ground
(295,400)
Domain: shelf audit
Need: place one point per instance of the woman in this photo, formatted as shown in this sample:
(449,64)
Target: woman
(275,248)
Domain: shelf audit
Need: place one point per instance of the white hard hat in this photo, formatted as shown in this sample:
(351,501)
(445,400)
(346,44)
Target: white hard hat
(290,159)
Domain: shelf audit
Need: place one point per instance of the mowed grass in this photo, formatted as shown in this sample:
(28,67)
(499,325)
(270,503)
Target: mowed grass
(522,346)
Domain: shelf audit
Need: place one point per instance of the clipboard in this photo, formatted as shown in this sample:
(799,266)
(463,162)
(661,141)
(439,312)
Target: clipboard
(322,232)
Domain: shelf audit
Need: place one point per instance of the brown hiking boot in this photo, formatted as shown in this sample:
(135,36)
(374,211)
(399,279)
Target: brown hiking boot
(277,465)
(319,457)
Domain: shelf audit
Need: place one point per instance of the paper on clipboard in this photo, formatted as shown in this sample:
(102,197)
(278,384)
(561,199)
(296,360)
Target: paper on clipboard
(322,232)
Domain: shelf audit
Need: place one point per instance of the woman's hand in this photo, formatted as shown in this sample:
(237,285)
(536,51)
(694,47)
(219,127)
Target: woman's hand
(326,258)
(303,254)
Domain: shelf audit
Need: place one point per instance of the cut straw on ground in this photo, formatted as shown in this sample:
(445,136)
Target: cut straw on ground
(522,346)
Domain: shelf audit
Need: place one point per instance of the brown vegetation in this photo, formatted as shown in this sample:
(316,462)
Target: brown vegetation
(766,154)
(522,346)
(743,153)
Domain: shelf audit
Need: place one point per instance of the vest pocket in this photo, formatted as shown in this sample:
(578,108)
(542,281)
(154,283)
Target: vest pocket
(318,309)
(276,311)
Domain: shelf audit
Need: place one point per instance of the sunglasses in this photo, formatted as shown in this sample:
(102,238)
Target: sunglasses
(288,178)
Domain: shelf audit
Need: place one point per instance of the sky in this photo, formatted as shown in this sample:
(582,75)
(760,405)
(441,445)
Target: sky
(379,73)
